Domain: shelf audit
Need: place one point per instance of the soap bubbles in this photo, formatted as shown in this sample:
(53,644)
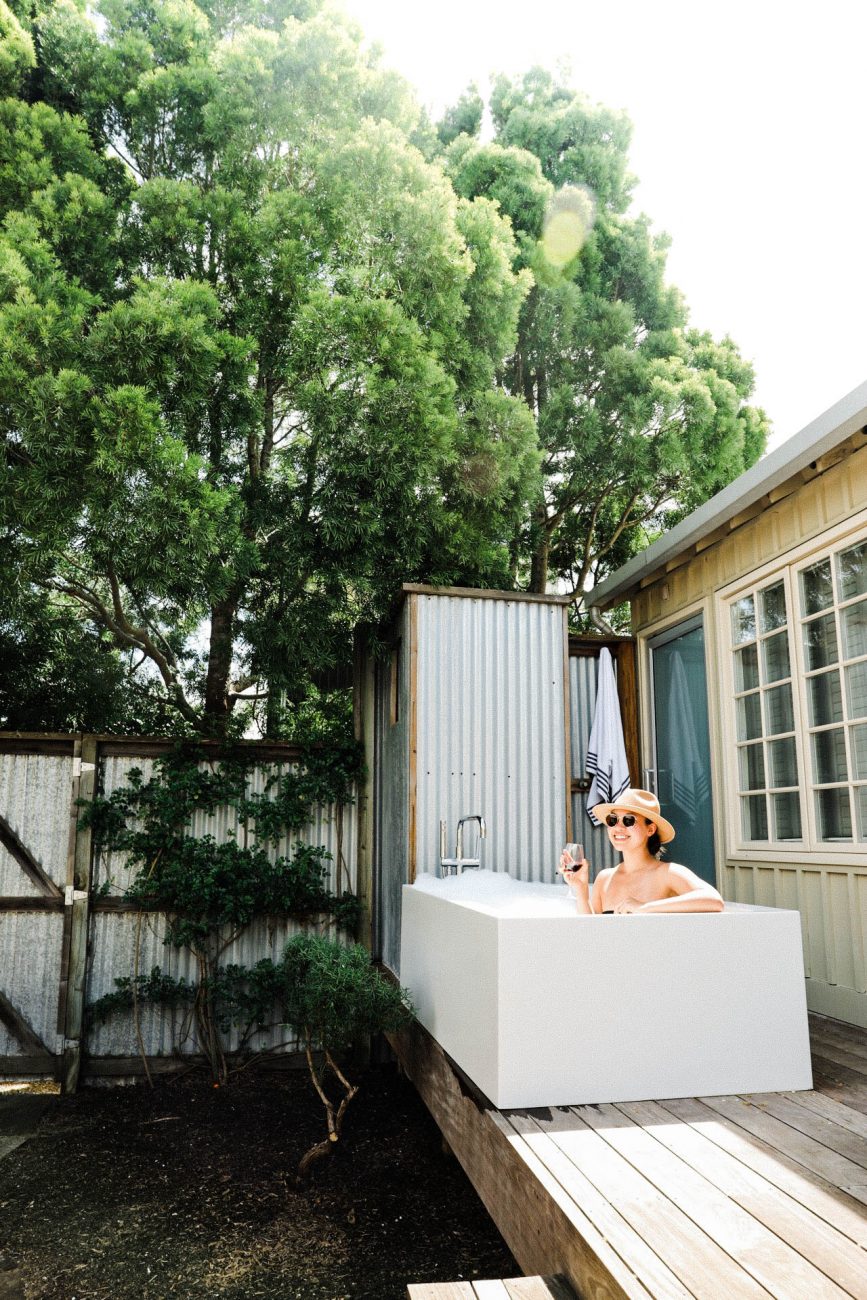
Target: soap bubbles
(568,221)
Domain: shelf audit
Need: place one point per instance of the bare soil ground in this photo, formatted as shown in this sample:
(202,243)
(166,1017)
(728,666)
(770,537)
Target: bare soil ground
(188,1191)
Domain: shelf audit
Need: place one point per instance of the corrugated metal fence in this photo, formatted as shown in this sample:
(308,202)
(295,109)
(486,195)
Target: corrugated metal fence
(66,930)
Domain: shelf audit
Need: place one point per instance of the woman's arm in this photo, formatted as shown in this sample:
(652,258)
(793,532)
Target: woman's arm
(689,894)
(587,902)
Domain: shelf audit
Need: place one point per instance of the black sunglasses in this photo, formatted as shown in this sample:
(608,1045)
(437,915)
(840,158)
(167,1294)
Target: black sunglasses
(628,820)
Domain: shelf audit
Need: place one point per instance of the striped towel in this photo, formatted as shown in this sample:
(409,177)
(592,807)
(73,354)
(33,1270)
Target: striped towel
(606,752)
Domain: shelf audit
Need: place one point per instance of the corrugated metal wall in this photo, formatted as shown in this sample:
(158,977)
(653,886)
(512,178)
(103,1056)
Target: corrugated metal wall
(832,898)
(35,800)
(491,730)
(487,681)
(391,797)
(36,792)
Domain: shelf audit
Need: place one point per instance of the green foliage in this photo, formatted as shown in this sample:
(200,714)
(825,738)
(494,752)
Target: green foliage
(249,339)
(463,118)
(270,346)
(638,417)
(17,55)
(208,886)
(211,889)
(155,989)
(335,997)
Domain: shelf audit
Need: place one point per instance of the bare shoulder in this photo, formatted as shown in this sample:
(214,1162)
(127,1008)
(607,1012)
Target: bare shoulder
(683,876)
(605,874)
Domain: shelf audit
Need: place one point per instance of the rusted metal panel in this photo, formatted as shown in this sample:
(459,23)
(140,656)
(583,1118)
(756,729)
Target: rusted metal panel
(30,951)
(35,802)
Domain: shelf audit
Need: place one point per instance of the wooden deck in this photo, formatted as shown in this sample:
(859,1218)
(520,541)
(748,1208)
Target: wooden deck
(711,1197)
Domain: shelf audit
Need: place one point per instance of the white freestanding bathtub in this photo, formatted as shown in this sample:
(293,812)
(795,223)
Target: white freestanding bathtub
(541,1007)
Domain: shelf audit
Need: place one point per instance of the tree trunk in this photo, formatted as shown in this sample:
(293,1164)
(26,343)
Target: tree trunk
(539,562)
(217,707)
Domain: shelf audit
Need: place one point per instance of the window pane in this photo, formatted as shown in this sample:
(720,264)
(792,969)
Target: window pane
(834,814)
(852,571)
(861,806)
(858,741)
(755,817)
(749,717)
(752,768)
(747,668)
(856,691)
(778,710)
(784,764)
(816,589)
(855,630)
(829,756)
(775,652)
(772,605)
(820,640)
(743,620)
(787,816)
(826,699)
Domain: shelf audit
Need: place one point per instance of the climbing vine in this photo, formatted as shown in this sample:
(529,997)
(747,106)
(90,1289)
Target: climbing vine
(210,889)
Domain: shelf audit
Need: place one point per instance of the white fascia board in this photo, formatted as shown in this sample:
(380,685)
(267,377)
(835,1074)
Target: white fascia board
(818,438)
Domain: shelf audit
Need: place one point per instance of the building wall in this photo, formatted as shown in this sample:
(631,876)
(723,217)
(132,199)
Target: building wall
(491,730)
(391,791)
(827,883)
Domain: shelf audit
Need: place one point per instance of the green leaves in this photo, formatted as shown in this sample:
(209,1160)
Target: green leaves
(251,353)
(334,995)
(207,885)
(17,55)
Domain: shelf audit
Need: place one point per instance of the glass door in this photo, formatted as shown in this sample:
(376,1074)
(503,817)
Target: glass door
(681,743)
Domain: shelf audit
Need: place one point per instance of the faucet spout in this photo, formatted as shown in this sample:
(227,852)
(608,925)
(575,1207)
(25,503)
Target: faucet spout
(459,844)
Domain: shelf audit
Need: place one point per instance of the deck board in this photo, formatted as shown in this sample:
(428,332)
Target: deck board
(747,1245)
(712,1197)
(810,1235)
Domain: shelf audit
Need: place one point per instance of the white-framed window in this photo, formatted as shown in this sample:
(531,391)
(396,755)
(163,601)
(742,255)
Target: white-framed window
(798,648)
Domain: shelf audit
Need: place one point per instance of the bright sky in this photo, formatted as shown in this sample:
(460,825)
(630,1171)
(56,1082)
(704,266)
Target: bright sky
(749,144)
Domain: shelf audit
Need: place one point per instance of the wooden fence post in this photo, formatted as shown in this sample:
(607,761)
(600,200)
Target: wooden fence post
(364,701)
(78,884)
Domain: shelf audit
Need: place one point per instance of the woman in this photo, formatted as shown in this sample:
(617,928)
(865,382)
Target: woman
(641,883)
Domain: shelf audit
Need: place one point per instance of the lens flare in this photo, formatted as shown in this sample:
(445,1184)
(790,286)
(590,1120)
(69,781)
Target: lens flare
(568,221)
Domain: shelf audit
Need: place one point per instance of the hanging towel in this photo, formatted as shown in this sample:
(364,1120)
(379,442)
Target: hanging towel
(690,786)
(606,752)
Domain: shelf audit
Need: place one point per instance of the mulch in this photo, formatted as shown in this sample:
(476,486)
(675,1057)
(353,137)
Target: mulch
(188,1190)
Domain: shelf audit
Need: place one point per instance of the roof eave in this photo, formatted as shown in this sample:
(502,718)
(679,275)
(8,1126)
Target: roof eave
(796,454)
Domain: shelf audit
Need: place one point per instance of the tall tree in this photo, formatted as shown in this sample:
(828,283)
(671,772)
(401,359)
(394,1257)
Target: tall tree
(639,417)
(248,337)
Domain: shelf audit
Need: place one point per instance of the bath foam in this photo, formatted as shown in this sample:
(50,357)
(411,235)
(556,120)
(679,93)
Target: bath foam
(498,894)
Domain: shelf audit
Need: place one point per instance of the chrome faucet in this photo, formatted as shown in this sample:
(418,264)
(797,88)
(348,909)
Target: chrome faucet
(458,862)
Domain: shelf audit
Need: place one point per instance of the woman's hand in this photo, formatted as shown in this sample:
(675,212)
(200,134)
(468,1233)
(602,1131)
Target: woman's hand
(574,874)
(627,905)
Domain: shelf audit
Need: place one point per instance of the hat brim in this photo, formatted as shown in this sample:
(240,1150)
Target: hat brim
(664,828)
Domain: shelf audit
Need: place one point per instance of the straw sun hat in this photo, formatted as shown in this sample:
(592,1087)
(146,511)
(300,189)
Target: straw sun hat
(643,804)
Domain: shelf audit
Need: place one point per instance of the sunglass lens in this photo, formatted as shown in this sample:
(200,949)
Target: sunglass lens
(611,820)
